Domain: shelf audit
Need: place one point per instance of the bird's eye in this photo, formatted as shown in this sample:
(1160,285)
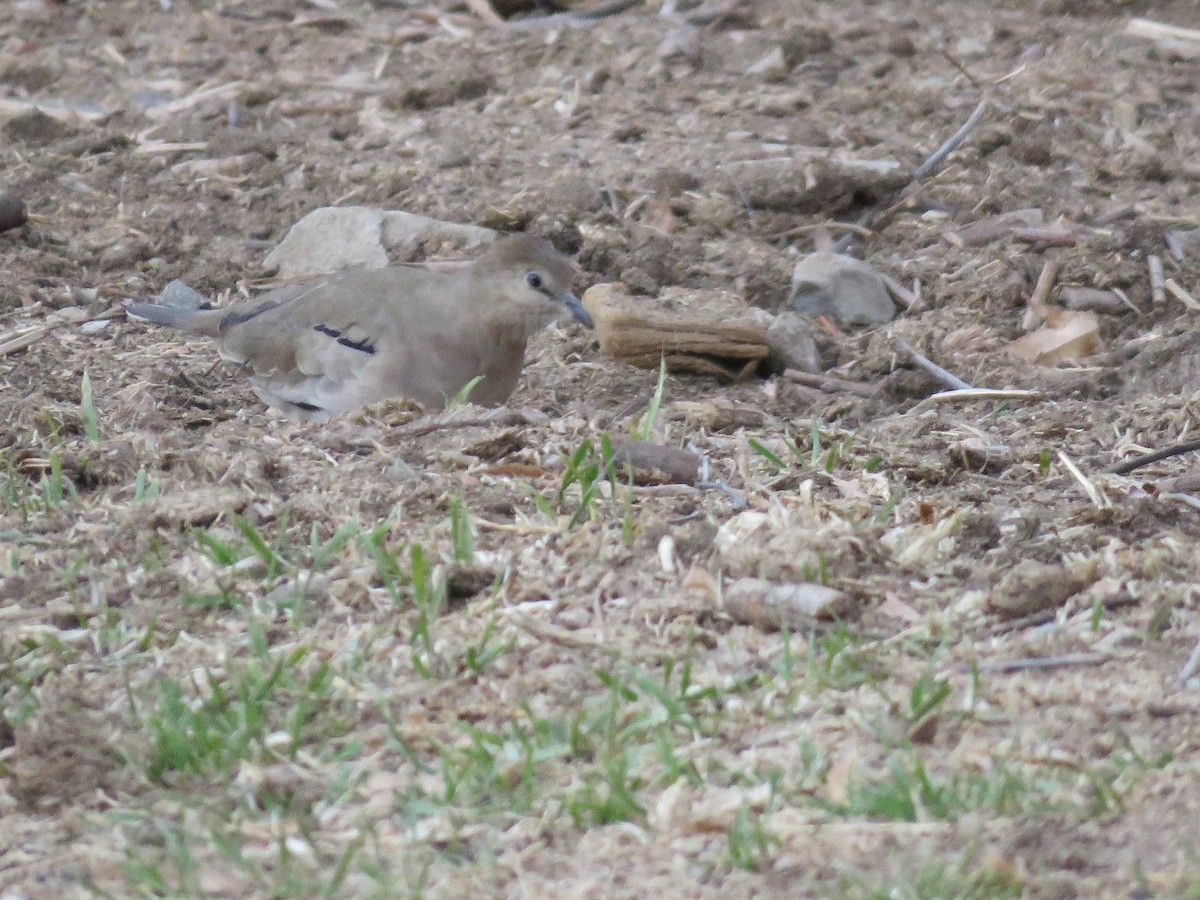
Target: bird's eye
(534,280)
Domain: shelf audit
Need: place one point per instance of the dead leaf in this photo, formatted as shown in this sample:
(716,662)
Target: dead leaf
(1068,334)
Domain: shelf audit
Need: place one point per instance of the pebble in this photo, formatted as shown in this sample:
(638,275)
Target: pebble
(179,295)
(792,345)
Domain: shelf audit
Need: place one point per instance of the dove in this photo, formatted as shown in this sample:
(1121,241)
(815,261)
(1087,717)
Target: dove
(332,344)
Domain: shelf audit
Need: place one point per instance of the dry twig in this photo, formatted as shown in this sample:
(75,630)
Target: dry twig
(952,143)
(831,385)
(1175,290)
(1189,667)
(1044,662)
(1041,290)
(923,171)
(947,378)
(1158,290)
(1098,500)
(1138,461)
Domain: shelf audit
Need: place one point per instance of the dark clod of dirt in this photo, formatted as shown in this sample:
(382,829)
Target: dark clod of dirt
(819,186)
(800,44)
(35,128)
(12,212)
(464,582)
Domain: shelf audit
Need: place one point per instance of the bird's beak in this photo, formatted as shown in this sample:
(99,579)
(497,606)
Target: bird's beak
(573,303)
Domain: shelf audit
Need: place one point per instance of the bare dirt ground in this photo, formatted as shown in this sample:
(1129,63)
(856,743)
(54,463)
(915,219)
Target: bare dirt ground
(402,656)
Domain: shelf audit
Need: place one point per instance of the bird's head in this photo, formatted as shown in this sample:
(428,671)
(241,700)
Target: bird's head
(533,280)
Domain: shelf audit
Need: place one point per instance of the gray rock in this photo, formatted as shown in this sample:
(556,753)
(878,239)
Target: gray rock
(179,295)
(331,239)
(791,344)
(841,287)
(406,234)
(357,237)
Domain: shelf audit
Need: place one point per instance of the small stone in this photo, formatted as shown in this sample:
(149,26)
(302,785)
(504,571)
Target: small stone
(792,345)
(970,47)
(772,67)
(147,97)
(841,287)
(180,295)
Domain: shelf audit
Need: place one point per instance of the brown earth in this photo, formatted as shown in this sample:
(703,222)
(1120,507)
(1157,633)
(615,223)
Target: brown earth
(629,739)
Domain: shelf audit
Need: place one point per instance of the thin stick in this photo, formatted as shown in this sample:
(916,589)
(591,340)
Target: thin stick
(935,161)
(1180,294)
(21,341)
(1149,28)
(1044,662)
(923,171)
(1138,461)
(1098,500)
(972,395)
(947,378)
(899,292)
(1035,307)
(1158,290)
(830,384)
(805,229)
(1045,284)
(1189,667)
(983,394)
(1049,237)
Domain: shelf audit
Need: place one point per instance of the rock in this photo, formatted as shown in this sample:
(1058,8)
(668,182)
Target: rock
(12,212)
(772,67)
(328,240)
(180,295)
(331,238)
(791,344)
(408,235)
(841,287)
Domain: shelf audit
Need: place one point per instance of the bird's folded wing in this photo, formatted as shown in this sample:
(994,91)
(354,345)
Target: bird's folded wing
(349,339)
(334,321)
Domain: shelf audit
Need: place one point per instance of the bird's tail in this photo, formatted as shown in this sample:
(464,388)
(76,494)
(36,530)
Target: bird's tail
(204,322)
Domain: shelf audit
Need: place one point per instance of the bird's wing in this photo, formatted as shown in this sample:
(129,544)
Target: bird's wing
(352,338)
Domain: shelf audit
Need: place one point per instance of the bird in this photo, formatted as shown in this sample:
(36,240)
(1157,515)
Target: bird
(327,346)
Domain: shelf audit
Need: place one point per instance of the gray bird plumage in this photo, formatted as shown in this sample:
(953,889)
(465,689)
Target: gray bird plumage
(330,345)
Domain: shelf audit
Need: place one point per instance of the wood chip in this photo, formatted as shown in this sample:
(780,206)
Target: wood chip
(697,332)
(650,463)
(771,607)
